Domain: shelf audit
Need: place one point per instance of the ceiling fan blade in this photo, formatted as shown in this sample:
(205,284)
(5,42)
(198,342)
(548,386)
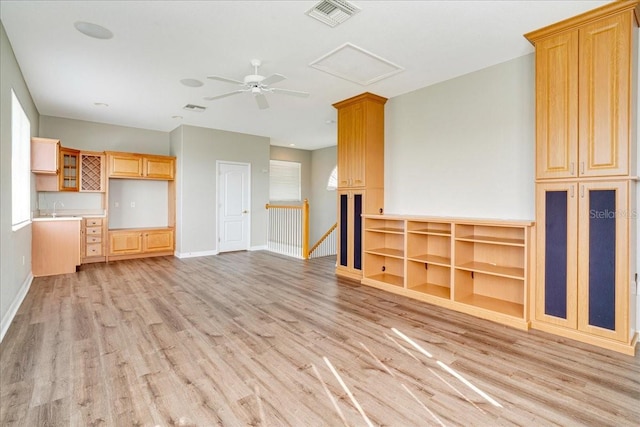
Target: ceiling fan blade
(211,98)
(273,78)
(289,92)
(224,79)
(261,100)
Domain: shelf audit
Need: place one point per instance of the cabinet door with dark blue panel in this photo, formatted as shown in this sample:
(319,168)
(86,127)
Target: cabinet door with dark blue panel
(556,287)
(603,264)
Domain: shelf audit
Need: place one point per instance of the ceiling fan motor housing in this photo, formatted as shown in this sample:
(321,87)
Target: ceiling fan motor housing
(253,79)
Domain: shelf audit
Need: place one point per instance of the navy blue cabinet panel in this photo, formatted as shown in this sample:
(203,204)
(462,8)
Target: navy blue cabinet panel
(602,258)
(344,234)
(555,280)
(357,231)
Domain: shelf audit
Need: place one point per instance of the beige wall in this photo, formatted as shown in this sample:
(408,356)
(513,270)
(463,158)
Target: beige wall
(15,246)
(464,147)
(198,150)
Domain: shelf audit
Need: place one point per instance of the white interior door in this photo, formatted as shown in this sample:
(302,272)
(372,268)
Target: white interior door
(234,216)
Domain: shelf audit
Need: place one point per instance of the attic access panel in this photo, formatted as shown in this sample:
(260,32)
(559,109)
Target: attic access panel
(355,64)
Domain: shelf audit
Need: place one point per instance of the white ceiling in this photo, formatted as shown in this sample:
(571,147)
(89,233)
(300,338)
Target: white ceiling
(158,43)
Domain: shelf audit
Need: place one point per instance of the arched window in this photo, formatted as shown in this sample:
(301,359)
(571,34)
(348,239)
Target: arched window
(332,184)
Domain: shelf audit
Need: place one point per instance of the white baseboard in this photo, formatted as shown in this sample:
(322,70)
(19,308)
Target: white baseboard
(258,248)
(195,254)
(15,305)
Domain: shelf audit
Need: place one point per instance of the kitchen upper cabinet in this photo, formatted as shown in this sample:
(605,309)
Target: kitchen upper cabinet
(45,155)
(139,166)
(583,97)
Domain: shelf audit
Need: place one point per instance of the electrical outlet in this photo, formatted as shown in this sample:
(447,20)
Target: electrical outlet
(116,204)
(133,204)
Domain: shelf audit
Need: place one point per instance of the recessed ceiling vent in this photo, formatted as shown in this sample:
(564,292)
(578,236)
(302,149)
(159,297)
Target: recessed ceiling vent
(333,12)
(193,107)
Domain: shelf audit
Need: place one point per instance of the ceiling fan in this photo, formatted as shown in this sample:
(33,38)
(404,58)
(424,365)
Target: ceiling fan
(256,84)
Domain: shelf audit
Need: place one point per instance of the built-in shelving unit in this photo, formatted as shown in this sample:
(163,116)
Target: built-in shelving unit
(475,266)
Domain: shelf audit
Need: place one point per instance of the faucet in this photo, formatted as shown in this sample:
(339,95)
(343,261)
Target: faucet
(54,207)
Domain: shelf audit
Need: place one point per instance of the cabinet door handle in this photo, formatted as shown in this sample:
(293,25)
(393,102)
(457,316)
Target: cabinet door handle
(572,168)
(582,191)
(581,168)
(571,192)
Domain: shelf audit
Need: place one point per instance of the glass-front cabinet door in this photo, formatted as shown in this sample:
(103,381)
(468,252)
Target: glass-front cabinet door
(69,169)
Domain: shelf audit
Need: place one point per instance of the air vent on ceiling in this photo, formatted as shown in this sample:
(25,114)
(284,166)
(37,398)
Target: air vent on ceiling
(193,107)
(333,12)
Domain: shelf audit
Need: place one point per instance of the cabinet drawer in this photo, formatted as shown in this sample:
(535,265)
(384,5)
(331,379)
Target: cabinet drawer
(94,239)
(94,250)
(94,231)
(92,222)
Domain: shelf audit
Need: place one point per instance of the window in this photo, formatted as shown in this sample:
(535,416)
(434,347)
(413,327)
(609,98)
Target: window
(20,164)
(284,181)
(332,183)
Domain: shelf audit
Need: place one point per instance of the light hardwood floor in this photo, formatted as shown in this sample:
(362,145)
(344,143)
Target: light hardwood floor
(253,338)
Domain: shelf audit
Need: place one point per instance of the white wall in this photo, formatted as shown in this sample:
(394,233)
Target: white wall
(15,246)
(464,147)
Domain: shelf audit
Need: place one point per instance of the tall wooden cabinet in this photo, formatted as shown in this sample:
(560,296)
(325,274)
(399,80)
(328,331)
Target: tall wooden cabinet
(360,175)
(586,95)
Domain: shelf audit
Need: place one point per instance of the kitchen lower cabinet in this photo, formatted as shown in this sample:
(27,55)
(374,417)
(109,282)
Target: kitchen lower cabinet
(585,261)
(92,244)
(55,247)
(139,243)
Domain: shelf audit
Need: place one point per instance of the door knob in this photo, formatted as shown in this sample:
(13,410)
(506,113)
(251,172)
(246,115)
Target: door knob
(245,211)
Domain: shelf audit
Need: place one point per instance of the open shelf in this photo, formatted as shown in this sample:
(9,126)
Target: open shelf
(496,293)
(430,279)
(494,304)
(389,279)
(496,270)
(431,259)
(385,226)
(430,228)
(382,268)
(396,253)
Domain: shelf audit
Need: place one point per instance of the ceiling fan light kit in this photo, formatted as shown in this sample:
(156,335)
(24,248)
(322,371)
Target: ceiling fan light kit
(256,84)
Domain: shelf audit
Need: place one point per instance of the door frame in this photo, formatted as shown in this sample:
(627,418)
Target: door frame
(219,201)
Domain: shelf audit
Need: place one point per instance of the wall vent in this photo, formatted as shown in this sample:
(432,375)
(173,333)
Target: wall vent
(333,12)
(193,107)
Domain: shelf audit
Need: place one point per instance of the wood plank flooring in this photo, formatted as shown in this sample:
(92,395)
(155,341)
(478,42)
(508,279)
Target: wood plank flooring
(257,339)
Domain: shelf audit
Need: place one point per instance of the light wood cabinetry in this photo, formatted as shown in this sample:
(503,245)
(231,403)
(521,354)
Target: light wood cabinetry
(360,175)
(92,240)
(583,94)
(45,155)
(586,94)
(361,141)
(55,247)
(140,166)
(132,243)
(478,267)
(92,172)
(586,265)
